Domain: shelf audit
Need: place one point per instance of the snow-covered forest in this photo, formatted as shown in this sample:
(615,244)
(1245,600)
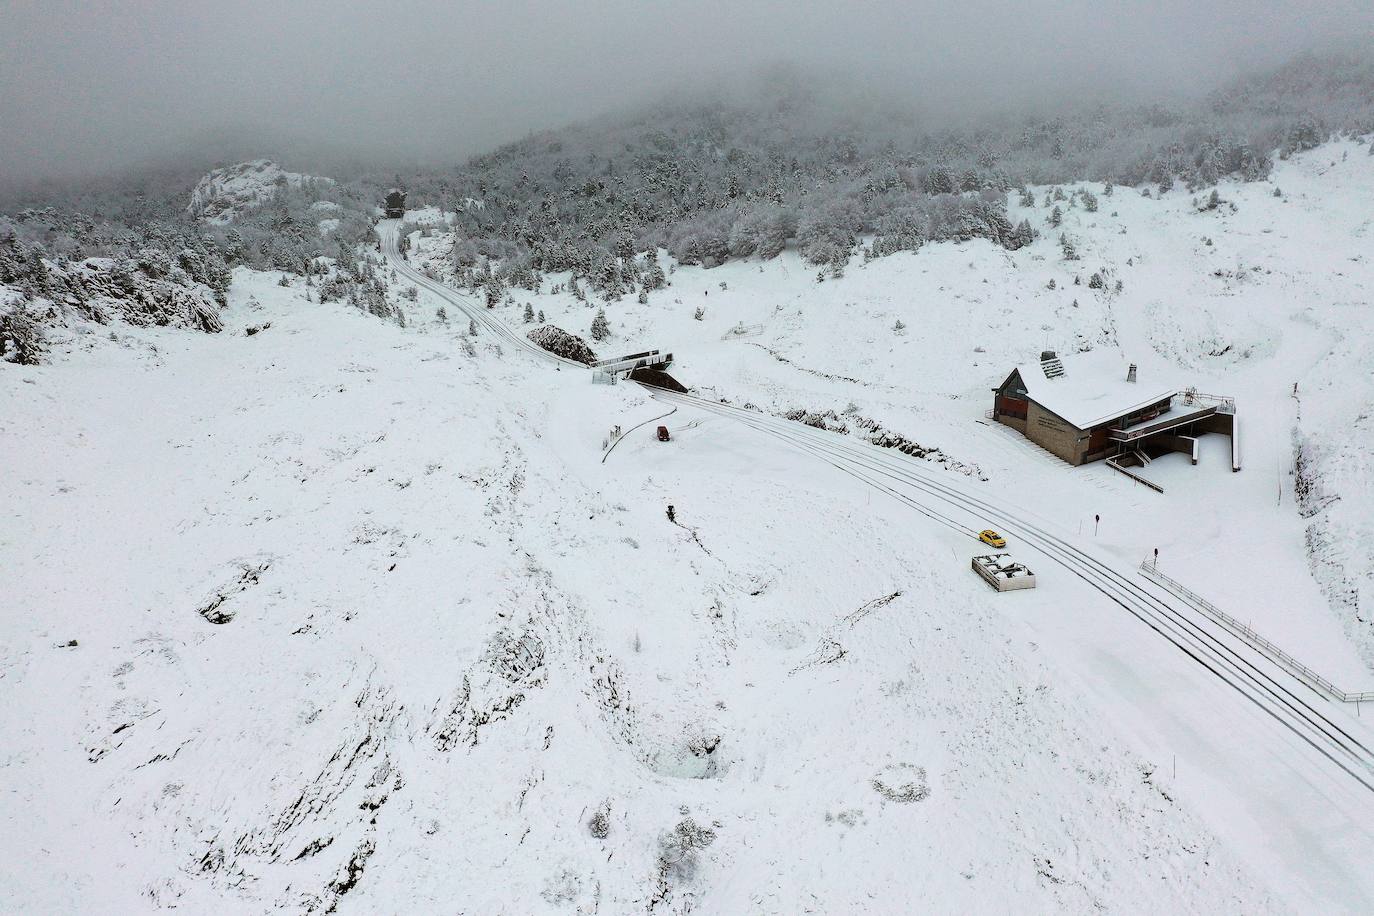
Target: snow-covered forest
(715,181)
(786,162)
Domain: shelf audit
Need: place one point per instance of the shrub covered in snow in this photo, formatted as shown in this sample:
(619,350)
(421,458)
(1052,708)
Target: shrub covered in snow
(21,339)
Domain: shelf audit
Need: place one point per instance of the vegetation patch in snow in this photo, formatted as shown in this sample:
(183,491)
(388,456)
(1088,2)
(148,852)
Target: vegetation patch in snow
(560,343)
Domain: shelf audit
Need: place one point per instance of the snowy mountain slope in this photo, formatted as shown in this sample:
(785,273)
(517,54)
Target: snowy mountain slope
(1241,302)
(1332,444)
(363,622)
(225,193)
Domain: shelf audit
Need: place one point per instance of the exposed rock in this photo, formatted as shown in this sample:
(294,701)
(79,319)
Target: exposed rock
(143,295)
(226,193)
(560,343)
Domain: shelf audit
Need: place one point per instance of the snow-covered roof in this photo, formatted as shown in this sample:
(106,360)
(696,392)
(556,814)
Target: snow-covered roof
(1093,388)
(1002,565)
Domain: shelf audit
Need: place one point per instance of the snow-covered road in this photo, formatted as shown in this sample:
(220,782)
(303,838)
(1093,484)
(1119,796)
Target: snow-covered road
(388,231)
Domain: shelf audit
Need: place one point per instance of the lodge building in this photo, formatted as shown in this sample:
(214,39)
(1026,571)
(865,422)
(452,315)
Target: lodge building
(1096,408)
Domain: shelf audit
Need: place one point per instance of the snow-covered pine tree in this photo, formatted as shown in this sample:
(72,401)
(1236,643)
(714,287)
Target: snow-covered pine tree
(1020,237)
(601,328)
(21,339)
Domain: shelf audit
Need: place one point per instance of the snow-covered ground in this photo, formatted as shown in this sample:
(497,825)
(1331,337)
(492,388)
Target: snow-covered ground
(343,614)
(1242,303)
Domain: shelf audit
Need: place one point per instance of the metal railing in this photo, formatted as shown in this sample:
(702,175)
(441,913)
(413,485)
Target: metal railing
(742,330)
(629,357)
(1224,402)
(1255,640)
(621,438)
(1116,465)
(654,360)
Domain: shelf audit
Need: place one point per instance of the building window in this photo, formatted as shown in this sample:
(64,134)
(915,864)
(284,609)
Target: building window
(1008,406)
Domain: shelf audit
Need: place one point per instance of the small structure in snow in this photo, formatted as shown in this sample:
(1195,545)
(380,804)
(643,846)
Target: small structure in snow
(649,359)
(1002,572)
(647,368)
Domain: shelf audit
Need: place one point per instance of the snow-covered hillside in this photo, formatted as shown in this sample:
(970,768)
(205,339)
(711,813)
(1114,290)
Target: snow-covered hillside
(328,613)
(353,617)
(1271,287)
(226,193)
(69,301)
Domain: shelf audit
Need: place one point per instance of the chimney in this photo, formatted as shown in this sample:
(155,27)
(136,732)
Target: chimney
(1130,373)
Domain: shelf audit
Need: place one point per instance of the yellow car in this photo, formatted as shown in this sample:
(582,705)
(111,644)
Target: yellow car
(992,538)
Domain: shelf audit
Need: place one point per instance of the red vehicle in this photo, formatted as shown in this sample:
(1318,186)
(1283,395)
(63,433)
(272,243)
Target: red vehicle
(663,434)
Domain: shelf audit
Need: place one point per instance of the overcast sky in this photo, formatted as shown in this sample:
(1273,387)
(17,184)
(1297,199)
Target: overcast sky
(92,85)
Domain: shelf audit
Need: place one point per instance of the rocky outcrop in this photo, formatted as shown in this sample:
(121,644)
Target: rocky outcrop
(141,294)
(226,193)
(560,343)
